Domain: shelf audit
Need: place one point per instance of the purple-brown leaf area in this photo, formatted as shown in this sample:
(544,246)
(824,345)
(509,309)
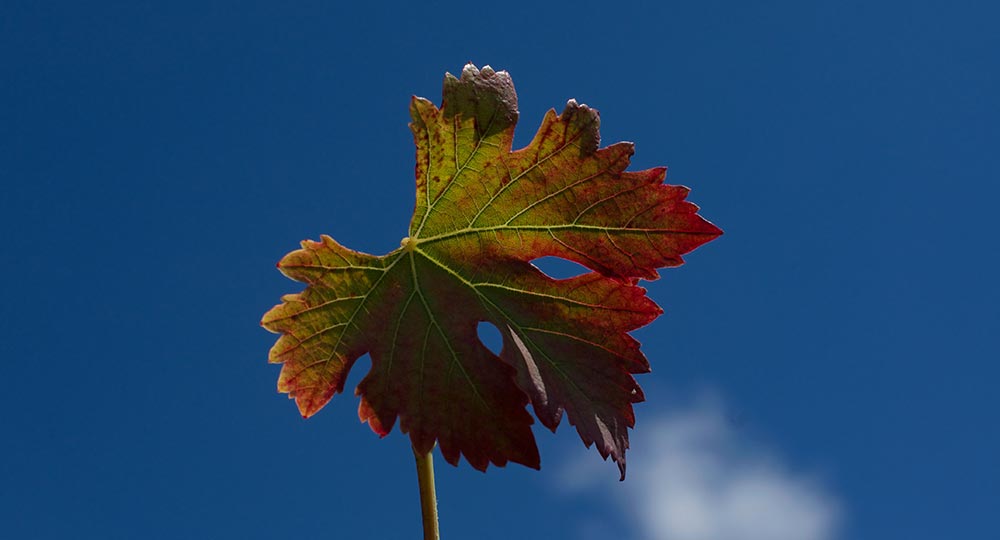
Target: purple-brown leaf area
(482,214)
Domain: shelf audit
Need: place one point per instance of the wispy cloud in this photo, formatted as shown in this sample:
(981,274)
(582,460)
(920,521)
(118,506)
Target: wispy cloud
(693,476)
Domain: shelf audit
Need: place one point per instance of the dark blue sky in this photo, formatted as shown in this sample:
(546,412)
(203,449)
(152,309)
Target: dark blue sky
(156,161)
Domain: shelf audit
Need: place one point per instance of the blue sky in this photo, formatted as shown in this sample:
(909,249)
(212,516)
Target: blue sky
(826,369)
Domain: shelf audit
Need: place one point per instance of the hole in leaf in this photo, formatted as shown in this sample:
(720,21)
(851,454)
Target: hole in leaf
(490,337)
(559,268)
(358,372)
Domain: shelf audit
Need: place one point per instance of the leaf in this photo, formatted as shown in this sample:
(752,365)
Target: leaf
(483,213)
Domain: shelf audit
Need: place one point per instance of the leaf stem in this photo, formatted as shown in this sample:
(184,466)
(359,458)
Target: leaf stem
(428,498)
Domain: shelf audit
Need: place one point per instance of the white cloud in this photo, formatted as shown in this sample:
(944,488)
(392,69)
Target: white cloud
(692,476)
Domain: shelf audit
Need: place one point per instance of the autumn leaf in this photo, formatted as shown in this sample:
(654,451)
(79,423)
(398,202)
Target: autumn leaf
(483,213)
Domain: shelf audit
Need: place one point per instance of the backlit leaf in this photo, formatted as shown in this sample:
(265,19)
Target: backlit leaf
(483,213)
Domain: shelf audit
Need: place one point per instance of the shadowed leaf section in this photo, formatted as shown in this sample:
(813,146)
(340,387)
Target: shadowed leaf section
(483,213)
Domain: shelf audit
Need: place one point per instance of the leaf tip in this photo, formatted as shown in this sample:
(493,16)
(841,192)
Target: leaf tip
(307,407)
(267,323)
(586,122)
(716,230)
(367,415)
(485,94)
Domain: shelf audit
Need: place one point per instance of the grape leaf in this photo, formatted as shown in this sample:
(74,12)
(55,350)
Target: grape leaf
(483,213)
